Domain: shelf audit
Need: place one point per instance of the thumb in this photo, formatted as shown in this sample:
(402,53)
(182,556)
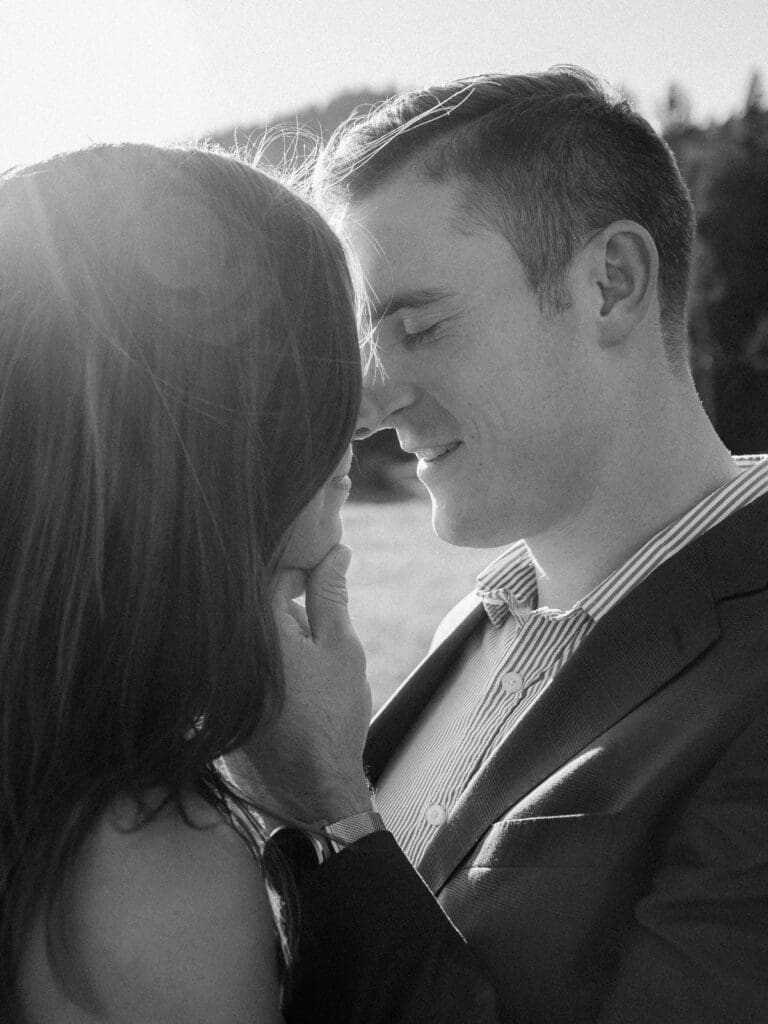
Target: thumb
(327,598)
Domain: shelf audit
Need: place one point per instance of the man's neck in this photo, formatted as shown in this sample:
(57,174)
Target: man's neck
(639,494)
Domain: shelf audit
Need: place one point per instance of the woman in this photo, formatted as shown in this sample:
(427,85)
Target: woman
(179,381)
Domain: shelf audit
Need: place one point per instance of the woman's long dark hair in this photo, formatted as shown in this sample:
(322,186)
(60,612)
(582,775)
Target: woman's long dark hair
(179,374)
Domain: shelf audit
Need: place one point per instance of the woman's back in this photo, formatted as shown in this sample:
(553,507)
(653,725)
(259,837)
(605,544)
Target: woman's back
(165,922)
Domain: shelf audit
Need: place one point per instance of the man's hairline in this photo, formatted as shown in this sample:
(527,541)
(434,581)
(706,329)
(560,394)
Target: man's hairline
(470,220)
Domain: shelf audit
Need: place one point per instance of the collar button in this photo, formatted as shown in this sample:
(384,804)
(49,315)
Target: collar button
(512,682)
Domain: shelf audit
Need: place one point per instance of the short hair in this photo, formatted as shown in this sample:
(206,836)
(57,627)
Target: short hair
(551,158)
(179,374)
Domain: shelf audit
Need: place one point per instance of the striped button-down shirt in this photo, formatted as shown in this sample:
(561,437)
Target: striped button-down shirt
(506,665)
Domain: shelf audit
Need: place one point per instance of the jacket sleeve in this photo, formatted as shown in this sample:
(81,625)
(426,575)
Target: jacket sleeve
(375,947)
(699,951)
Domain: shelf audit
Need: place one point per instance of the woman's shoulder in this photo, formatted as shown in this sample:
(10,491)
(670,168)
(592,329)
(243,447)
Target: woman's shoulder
(170,920)
(169,854)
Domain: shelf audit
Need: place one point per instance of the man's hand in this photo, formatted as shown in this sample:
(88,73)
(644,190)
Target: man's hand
(308,763)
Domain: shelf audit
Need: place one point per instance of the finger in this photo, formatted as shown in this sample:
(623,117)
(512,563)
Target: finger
(327,596)
(291,626)
(287,585)
(299,614)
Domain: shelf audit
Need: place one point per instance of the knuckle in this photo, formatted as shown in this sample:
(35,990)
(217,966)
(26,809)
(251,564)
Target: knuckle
(334,593)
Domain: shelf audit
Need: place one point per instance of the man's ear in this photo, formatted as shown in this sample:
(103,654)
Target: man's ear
(626,265)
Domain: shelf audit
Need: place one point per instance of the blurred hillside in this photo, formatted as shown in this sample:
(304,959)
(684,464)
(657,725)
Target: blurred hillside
(292,139)
(726,168)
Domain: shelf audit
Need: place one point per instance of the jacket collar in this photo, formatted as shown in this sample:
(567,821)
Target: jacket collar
(636,648)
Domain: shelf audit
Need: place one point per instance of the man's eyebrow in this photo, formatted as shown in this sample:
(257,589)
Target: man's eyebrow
(410,299)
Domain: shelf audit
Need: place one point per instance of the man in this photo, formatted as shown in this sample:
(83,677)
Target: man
(579,770)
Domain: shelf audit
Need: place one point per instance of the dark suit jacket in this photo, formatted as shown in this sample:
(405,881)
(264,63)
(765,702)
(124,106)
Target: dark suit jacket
(610,861)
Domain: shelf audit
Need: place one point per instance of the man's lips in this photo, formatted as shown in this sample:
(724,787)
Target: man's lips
(437,451)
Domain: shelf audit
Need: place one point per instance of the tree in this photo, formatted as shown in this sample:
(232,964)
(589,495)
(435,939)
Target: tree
(755,119)
(675,111)
(733,224)
(755,96)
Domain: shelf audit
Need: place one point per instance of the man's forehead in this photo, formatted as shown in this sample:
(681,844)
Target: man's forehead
(402,209)
(406,298)
(401,237)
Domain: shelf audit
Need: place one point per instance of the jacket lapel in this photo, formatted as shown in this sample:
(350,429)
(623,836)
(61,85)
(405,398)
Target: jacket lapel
(394,719)
(642,643)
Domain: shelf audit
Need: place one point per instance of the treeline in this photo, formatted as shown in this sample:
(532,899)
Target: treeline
(726,168)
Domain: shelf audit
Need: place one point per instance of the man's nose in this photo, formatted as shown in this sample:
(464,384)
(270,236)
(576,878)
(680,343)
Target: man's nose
(383,398)
(369,417)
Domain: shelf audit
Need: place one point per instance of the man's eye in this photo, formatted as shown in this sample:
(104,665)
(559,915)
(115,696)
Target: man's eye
(415,338)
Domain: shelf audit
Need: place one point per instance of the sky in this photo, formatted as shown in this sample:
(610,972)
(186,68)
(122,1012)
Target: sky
(80,71)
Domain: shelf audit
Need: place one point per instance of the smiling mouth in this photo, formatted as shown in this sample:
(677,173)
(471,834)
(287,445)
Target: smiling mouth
(438,452)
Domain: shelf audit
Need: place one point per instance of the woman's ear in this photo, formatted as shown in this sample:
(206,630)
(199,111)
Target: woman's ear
(627,270)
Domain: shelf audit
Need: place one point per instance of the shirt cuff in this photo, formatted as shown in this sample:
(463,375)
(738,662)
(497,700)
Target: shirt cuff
(349,830)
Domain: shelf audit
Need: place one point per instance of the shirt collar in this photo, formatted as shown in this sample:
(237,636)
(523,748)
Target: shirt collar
(509,584)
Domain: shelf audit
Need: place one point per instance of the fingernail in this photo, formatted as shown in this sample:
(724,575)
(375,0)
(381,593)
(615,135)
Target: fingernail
(341,557)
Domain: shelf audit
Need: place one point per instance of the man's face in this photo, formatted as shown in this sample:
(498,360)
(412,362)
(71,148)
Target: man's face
(502,403)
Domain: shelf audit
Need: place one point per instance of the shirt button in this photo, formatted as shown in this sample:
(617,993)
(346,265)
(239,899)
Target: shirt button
(512,682)
(435,815)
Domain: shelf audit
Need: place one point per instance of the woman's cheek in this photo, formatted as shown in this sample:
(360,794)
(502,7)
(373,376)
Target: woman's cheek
(315,530)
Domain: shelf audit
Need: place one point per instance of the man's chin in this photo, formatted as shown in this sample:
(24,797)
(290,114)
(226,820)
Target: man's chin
(460,528)
(466,527)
